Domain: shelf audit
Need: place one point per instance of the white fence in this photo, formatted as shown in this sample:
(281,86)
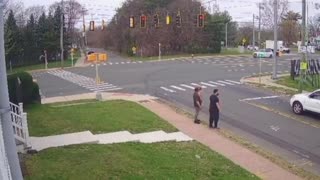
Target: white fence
(5,173)
(20,124)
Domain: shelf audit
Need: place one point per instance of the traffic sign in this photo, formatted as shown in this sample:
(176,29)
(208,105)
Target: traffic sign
(134,50)
(303,65)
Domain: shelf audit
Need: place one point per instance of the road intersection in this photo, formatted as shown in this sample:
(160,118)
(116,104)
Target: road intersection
(259,116)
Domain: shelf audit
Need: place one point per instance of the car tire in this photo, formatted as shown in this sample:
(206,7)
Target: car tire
(255,56)
(270,56)
(297,107)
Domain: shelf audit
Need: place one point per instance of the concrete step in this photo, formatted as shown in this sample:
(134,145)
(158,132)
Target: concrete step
(41,143)
(116,137)
(179,136)
(153,137)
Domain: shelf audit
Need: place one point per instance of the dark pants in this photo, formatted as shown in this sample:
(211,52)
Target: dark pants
(214,117)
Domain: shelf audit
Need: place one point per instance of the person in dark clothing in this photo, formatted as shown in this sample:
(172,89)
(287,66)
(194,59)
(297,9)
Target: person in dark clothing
(214,109)
(197,102)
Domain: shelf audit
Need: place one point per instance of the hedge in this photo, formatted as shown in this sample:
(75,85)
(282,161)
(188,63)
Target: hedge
(22,88)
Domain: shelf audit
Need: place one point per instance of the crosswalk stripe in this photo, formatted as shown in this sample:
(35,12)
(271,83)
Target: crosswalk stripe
(184,85)
(110,63)
(225,82)
(166,89)
(233,81)
(128,62)
(195,84)
(140,62)
(122,62)
(134,62)
(116,63)
(207,84)
(219,84)
(179,88)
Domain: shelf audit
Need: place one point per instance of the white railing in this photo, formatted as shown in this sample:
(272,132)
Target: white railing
(5,173)
(20,124)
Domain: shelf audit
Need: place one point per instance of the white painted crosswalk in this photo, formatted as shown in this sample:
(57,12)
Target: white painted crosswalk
(83,81)
(191,86)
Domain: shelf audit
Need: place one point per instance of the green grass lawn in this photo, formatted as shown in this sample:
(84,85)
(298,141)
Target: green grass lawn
(98,117)
(288,81)
(229,51)
(51,64)
(172,160)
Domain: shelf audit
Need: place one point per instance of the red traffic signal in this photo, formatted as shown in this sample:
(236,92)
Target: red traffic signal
(143,21)
(201,20)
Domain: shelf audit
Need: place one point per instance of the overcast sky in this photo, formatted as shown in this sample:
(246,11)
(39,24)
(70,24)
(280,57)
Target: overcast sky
(240,10)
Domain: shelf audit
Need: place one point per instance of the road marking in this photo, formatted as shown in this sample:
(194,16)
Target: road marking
(275,128)
(195,84)
(116,63)
(219,84)
(184,85)
(258,98)
(207,84)
(233,81)
(179,88)
(128,62)
(169,90)
(226,83)
(293,117)
(122,62)
(140,62)
(104,90)
(134,62)
(110,63)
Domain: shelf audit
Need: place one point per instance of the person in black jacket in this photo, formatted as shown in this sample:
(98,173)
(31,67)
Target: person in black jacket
(214,109)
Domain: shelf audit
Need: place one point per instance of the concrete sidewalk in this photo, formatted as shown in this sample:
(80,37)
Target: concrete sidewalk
(240,155)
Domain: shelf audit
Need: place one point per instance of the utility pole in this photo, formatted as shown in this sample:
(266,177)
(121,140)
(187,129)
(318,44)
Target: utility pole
(226,35)
(8,137)
(61,34)
(253,33)
(84,28)
(303,44)
(275,39)
(259,33)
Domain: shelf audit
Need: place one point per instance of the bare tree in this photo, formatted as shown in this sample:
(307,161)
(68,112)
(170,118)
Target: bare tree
(267,13)
(314,26)
(35,10)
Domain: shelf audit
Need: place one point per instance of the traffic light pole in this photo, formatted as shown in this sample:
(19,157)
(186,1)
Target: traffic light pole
(61,35)
(6,123)
(275,39)
(303,43)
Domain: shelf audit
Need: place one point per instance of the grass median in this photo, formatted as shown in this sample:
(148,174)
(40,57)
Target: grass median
(224,52)
(294,83)
(51,64)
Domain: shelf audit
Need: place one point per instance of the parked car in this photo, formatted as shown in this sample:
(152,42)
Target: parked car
(306,102)
(285,50)
(263,53)
(251,48)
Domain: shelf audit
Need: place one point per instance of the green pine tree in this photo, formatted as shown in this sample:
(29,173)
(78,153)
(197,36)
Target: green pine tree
(13,45)
(31,53)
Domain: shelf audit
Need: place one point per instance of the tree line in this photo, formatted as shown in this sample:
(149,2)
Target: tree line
(185,39)
(26,39)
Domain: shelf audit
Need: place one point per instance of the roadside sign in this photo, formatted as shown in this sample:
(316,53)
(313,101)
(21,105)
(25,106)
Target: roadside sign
(303,65)
(101,57)
(134,50)
(244,41)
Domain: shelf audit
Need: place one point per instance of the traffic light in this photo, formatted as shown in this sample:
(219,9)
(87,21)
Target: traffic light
(91,26)
(156,20)
(201,20)
(131,22)
(178,20)
(168,20)
(143,21)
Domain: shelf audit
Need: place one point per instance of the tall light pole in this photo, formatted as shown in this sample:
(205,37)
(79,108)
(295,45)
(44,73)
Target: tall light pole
(8,137)
(253,33)
(275,39)
(259,33)
(61,34)
(227,35)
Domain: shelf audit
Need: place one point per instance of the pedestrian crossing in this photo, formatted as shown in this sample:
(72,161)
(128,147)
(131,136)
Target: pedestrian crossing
(204,84)
(83,81)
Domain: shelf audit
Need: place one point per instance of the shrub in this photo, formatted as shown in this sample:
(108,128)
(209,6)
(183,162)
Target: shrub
(22,88)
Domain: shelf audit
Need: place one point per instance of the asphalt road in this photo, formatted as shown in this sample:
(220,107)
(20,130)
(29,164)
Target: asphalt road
(267,122)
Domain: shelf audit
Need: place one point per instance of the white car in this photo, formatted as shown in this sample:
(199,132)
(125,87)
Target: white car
(306,102)
(263,53)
